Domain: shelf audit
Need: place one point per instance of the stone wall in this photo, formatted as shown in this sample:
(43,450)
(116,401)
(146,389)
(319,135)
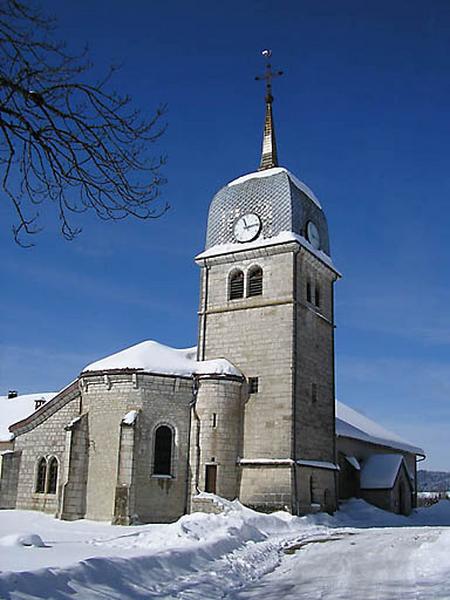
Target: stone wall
(216,434)
(267,487)
(107,399)
(75,474)
(44,436)
(9,478)
(160,400)
(256,334)
(315,406)
(105,466)
(287,343)
(165,401)
(316,489)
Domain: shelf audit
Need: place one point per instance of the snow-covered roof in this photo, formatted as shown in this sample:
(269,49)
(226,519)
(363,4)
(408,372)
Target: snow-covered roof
(318,464)
(130,417)
(352,424)
(281,238)
(154,357)
(274,171)
(379,471)
(18,408)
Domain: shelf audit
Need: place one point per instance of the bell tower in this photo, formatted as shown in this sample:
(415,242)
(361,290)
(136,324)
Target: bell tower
(266,305)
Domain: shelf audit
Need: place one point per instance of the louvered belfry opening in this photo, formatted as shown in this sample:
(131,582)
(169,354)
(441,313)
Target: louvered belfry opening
(255,282)
(236,285)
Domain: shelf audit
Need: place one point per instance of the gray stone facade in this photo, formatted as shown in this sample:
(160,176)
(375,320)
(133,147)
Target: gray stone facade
(105,465)
(287,343)
(139,445)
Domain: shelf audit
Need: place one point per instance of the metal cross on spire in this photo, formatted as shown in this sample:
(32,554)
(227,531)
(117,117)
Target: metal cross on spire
(268,75)
(269,155)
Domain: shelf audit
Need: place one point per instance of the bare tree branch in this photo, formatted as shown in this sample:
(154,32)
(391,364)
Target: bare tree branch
(66,142)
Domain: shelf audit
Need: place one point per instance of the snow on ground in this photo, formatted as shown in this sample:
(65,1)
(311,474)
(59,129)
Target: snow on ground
(361,552)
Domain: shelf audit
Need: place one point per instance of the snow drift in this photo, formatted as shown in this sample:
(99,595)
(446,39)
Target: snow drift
(200,556)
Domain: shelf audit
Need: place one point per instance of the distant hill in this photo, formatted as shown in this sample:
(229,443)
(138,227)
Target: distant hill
(433,481)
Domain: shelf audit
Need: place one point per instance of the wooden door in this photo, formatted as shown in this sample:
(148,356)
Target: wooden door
(211,479)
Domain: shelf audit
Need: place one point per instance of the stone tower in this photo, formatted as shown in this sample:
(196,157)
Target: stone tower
(266,304)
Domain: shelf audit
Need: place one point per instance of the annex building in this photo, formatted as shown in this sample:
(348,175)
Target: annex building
(249,413)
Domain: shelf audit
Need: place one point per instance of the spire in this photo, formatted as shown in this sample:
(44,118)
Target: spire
(269,156)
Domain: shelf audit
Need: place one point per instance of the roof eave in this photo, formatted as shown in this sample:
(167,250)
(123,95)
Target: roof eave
(410,449)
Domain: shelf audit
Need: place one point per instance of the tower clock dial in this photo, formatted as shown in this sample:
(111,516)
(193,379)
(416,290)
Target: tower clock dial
(312,234)
(247,227)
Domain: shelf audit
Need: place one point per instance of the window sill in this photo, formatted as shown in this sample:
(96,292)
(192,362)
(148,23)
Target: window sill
(44,495)
(162,477)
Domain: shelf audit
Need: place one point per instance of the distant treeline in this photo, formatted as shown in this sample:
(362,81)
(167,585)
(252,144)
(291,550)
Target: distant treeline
(433,481)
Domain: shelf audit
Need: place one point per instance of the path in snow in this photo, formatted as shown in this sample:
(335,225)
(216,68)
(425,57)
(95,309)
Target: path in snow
(372,564)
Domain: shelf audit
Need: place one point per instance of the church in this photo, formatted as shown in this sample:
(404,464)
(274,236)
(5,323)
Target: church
(151,433)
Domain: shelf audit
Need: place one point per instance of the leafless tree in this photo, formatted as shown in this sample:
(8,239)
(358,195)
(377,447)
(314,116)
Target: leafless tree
(64,142)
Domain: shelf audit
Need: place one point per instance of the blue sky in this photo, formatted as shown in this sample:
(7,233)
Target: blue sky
(362,116)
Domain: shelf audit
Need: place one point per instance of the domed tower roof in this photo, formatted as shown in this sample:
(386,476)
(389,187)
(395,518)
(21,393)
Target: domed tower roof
(282,202)
(271,197)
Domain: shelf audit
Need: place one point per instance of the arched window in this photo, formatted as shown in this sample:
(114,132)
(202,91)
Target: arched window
(52,478)
(236,287)
(163,451)
(255,282)
(41,476)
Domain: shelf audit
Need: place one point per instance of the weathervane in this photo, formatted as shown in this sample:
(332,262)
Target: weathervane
(268,75)
(269,155)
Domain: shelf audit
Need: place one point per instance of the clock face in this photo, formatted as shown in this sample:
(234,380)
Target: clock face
(247,228)
(312,234)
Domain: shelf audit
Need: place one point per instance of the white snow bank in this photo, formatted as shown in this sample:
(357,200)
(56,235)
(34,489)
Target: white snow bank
(22,539)
(281,238)
(202,552)
(357,513)
(153,357)
(352,424)
(16,409)
(380,471)
(200,556)
(275,171)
